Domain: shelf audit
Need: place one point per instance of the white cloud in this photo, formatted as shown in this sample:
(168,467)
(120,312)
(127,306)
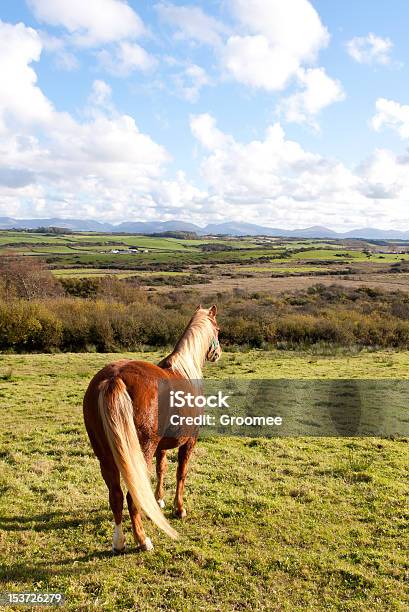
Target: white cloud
(393,115)
(64,59)
(103,166)
(190,82)
(279,38)
(125,58)
(385,175)
(101,93)
(54,164)
(319,91)
(175,196)
(205,131)
(274,181)
(20,97)
(90,22)
(293,25)
(253,61)
(370,49)
(270,45)
(191,23)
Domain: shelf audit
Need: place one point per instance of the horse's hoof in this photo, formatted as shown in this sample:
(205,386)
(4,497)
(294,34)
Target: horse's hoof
(118,551)
(161,503)
(147,546)
(180,513)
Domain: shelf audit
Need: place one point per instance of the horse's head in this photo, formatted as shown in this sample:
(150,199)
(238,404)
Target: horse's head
(214,351)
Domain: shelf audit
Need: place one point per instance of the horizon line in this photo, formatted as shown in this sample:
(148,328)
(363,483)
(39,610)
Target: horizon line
(115,224)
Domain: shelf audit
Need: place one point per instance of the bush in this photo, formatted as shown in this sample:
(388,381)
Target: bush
(26,326)
(120,317)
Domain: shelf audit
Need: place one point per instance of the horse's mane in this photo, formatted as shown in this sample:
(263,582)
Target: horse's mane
(187,358)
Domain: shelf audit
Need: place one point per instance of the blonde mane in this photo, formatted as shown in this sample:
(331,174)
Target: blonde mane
(188,356)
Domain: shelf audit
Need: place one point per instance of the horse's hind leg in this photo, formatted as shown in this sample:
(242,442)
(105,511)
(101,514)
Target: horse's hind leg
(184,454)
(139,535)
(161,467)
(110,474)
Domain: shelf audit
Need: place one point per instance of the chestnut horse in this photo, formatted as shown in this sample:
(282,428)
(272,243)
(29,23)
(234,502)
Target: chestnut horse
(121,418)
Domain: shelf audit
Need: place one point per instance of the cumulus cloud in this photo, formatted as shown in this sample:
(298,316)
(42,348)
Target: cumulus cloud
(370,49)
(319,91)
(64,58)
(20,97)
(190,81)
(205,131)
(52,163)
(191,23)
(268,46)
(125,58)
(279,38)
(111,24)
(385,175)
(393,115)
(90,23)
(275,180)
(105,167)
(101,93)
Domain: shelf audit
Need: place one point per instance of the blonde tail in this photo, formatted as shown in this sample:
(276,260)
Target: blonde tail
(116,411)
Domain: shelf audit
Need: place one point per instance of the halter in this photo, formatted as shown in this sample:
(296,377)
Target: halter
(214,344)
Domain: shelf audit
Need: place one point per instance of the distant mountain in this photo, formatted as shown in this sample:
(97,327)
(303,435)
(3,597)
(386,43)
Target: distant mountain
(236,228)
(154,227)
(229,228)
(73,224)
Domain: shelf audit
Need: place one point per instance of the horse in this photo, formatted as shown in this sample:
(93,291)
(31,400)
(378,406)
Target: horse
(120,410)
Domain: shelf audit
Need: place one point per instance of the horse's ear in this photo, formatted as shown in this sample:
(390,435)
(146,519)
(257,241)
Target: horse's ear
(199,307)
(213,310)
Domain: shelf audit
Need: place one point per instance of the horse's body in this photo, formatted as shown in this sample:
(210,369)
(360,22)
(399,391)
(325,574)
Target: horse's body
(121,418)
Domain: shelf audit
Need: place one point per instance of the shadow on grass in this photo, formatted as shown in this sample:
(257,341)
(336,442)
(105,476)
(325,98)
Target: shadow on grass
(48,521)
(39,569)
(49,571)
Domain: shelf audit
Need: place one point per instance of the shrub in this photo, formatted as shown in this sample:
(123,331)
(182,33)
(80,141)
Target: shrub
(120,317)
(26,326)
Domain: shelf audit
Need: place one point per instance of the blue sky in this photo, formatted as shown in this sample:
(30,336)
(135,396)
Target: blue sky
(286,114)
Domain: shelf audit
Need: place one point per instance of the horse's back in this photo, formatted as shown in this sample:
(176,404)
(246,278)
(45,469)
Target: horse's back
(140,378)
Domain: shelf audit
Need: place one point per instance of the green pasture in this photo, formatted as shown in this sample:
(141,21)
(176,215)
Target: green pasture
(345,255)
(155,257)
(112,241)
(282,524)
(93,250)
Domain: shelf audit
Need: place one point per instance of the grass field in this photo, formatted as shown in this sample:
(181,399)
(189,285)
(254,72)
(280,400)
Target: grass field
(226,262)
(285,524)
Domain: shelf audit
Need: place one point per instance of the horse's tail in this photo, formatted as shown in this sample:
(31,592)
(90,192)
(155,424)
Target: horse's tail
(116,411)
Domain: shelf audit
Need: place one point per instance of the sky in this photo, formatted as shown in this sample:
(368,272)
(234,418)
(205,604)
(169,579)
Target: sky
(285,114)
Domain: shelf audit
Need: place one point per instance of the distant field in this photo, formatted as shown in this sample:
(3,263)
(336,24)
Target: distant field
(220,265)
(346,255)
(97,272)
(281,524)
(283,269)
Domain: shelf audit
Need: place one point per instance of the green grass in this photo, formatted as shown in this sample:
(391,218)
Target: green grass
(93,250)
(345,255)
(34,242)
(285,524)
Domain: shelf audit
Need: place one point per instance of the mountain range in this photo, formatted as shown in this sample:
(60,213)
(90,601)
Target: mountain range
(229,228)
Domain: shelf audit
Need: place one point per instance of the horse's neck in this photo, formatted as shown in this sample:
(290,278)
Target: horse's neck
(183,361)
(180,362)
